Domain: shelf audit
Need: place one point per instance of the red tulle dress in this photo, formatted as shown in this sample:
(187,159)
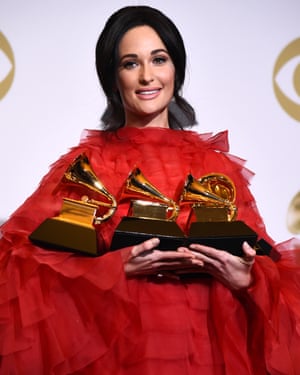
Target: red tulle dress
(64,313)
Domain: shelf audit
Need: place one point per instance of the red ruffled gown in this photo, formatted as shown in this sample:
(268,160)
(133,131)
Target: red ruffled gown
(62,313)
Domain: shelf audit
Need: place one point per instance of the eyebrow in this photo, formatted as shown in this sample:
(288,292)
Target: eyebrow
(134,55)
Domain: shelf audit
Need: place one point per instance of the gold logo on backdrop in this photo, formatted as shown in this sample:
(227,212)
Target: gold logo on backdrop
(6,82)
(291,51)
(293,215)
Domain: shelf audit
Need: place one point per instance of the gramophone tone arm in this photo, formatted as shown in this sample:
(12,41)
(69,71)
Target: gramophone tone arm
(209,195)
(112,208)
(174,208)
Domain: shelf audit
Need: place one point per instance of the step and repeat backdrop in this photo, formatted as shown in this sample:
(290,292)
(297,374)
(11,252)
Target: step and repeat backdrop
(243,75)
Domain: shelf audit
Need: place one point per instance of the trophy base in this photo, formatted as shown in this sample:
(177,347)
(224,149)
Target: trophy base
(57,234)
(228,236)
(132,231)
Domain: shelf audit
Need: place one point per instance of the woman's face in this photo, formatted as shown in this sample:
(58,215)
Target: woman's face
(145,78)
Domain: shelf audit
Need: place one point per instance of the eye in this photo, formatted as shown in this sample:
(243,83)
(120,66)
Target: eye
(159,60)
(286,79)
(129,64)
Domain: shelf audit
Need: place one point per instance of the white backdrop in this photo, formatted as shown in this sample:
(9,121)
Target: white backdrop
(232,50)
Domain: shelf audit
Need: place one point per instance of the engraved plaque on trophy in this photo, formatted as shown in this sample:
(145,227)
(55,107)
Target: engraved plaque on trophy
(212,220)
(73,229)
(151,214)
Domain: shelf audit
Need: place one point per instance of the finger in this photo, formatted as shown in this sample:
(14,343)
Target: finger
(249,255)
(249,252)
(211,259)
(183,249)
(171,256)
(206,251)
(181,252)
(145,246)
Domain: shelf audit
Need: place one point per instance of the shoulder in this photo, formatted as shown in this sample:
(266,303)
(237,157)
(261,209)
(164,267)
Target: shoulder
(94,139)
(218,141)
(93,136)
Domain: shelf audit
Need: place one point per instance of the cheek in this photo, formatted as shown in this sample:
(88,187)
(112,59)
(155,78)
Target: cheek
(169,78)
(124,83)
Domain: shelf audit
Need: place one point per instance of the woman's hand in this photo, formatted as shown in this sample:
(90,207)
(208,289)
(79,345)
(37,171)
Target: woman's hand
(146,259)
(231,270)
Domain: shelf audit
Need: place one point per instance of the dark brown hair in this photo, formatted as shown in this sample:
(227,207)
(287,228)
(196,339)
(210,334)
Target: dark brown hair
(181,113)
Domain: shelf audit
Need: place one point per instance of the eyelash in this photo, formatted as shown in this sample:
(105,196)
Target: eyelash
(157,60)
(128,64)
(160,59)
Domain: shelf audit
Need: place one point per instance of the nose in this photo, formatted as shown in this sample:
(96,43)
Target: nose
(146,75)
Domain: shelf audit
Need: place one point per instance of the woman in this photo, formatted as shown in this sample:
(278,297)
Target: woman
(128,311)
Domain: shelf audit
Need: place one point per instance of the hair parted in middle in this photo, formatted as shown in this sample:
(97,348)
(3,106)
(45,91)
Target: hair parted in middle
(181,113)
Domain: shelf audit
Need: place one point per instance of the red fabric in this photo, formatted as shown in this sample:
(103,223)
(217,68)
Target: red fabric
(62,313)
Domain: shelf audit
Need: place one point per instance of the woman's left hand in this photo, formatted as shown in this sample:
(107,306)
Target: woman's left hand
(231,270)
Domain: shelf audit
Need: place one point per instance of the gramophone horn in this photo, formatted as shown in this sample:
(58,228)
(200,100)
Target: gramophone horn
(137,186)
(210,190)
(80,172)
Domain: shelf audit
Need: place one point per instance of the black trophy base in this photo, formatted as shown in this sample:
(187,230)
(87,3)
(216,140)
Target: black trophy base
(54,234)
(132,231)
(228,236)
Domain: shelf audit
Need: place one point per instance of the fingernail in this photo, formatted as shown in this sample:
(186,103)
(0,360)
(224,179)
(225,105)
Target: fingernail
(155,241)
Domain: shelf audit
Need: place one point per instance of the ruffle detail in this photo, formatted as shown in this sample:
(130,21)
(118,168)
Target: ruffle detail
(62,313)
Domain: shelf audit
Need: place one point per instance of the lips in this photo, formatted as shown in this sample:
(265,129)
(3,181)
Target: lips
(149,93)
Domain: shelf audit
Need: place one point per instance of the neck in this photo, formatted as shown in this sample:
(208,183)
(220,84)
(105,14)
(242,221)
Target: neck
(148,121)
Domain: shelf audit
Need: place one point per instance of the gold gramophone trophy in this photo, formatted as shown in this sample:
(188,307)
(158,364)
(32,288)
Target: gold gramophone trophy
(73,229)
(212,220)
(151,214)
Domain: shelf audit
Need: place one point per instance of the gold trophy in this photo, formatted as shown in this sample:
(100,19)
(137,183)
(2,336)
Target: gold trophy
(151,214)
(73,229)
(212,220)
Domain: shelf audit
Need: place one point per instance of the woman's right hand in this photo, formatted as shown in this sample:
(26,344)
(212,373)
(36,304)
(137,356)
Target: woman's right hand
(146,259)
